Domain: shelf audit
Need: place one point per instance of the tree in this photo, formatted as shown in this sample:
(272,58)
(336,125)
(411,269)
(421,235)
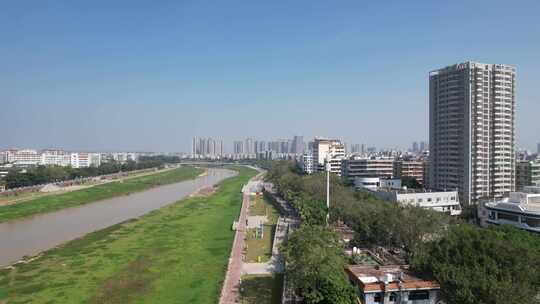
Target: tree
(410,182)
(315,266)
(475,265)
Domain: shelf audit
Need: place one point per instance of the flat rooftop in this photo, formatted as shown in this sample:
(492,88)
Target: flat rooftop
(389,278)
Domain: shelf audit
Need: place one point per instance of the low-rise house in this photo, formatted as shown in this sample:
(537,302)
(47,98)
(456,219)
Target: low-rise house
(392,284)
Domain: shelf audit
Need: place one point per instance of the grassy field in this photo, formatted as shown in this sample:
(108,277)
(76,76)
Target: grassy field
(262,206)
(261,247)
(84,196)
(176,254)
(261,289)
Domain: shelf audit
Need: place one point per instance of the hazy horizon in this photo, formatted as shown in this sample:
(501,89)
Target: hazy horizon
(148,77)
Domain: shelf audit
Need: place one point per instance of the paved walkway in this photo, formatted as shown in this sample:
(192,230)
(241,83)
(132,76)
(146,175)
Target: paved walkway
(230,290)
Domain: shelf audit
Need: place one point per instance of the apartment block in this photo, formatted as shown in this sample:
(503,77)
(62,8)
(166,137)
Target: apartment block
(331,150)
(527,173)
(23,157)
(409,168)
(361,167)
(472,130)
(307,162)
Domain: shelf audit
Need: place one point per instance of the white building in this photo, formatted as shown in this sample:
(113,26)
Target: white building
(55,158)
(392,284)
(331,150)
(355,167)
(520,209)
(95,159)
(307,162)
(3,157)
(80,160)
(24,157)
(441,201)
(472,130)
(391,190)
(374,183)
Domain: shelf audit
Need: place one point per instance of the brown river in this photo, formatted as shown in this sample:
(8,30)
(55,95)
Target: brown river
(32,235)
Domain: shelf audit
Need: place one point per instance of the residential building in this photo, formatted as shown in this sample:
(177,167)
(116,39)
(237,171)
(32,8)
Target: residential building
(410,168)
(472,130)
(307,162)
(415,147)
(375,183)
(441,201)
(23,157)
(80,160)
(392,284)
(207,147)
(55,158)
(520,209)
(298,145)
(332,150)
(3,157)
(527,173)
(94,159)
(355,167)
(249,147)
(238,147)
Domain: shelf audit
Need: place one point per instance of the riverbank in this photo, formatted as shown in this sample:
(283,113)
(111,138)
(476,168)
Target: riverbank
(56,202)
(176,254)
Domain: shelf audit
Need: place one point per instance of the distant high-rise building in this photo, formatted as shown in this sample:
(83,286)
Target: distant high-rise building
(249,147)
(355,148)
(298,145)
(415,147)
(538,149)
(238,147)
(207,147)
(423,146)
(472,130)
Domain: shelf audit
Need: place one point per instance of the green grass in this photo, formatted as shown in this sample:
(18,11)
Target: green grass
(262,248)
(56,202)
(176,254)
(256,248)
(263,206)
(261,289)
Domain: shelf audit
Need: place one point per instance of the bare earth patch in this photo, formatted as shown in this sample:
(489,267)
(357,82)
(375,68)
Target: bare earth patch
(205,192)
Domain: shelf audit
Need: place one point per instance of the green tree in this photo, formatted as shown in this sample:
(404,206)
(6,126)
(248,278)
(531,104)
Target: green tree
(315,265)
(477,266)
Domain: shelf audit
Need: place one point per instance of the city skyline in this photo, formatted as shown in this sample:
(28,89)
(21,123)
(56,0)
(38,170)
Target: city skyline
(152,78)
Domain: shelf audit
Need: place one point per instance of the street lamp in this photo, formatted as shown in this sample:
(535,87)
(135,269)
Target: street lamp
(327,188)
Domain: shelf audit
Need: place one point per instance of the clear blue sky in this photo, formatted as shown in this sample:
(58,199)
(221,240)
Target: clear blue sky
(149,75)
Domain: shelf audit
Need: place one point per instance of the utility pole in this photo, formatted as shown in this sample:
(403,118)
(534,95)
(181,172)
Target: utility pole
(327,189)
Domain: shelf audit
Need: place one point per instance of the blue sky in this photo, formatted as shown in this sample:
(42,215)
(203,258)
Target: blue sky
(149,75)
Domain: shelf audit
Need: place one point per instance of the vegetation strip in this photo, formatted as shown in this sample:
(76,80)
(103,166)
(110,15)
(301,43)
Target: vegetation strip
(56,202)
(261,289)
(176,254)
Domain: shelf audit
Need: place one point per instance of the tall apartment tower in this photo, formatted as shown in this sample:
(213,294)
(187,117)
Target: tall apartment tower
(325,149)
(472,130)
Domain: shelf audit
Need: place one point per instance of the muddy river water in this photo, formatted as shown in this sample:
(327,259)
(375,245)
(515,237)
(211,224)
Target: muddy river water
(31,235)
